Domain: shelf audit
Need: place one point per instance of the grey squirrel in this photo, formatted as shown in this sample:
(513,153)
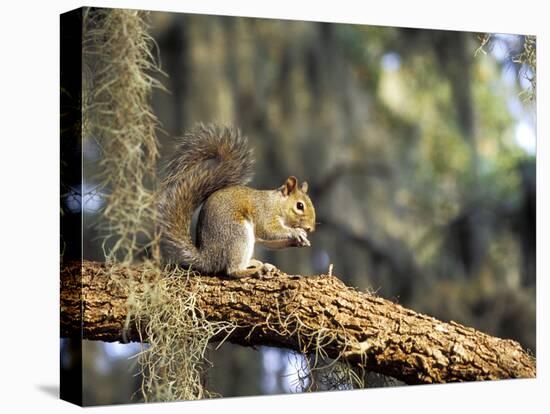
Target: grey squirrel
(211,165)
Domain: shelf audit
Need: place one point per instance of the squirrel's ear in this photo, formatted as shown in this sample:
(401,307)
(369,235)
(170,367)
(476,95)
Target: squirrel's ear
(289,186)
(304,187)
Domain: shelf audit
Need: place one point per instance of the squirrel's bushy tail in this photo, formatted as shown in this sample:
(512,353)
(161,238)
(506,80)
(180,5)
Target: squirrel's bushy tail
(206,159)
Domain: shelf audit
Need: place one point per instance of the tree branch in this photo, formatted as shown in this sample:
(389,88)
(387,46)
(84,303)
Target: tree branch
(369,331)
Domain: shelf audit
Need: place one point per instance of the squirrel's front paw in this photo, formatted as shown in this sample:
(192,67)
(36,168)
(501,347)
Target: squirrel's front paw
(299,237)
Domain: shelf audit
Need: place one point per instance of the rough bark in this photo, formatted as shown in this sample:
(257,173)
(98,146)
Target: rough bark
(291,312)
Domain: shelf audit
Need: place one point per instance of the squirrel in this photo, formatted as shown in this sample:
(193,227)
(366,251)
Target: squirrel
(211,165)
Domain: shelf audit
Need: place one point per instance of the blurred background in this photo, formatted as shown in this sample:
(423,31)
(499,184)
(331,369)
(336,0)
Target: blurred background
(419,149)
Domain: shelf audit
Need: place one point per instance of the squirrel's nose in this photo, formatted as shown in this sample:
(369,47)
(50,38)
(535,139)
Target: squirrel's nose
(309,229)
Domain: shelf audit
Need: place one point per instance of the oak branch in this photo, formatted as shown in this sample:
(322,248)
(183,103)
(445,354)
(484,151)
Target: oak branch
(367,330)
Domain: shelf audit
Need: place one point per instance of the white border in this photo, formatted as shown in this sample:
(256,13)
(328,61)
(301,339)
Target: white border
(29,163)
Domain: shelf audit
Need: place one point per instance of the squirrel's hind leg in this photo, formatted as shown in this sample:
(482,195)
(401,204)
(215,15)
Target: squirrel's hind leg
(255,268)
(261,266)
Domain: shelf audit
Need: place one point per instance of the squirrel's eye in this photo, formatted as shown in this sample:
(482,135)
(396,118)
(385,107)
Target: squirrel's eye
(300,205)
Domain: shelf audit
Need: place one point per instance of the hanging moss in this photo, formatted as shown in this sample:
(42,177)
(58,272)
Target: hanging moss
(117,86)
